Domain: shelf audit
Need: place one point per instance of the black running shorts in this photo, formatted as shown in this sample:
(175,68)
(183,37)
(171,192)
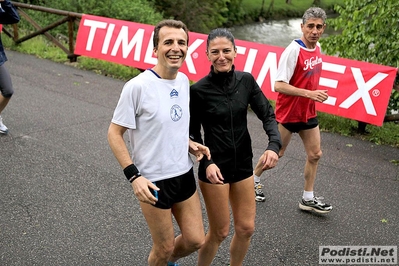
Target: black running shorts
(296,127)
(175,189)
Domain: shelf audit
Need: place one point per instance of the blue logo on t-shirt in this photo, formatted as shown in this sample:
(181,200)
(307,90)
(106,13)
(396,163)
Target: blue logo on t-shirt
(174,93)
(176,112)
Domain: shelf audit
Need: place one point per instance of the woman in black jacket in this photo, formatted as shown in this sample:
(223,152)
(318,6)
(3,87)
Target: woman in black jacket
(8,15)
(219,104)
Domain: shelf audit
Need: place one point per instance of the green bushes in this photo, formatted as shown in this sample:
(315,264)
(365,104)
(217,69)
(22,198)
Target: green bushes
(140,11)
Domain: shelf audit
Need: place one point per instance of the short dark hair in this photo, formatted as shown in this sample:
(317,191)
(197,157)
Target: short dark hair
(168,23)
(220,32)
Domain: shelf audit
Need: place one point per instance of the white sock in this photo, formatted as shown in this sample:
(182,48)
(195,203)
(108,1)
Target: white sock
(308,195)
(256,178)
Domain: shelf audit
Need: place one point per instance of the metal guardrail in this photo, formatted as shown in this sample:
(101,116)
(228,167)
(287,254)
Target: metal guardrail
(71,18)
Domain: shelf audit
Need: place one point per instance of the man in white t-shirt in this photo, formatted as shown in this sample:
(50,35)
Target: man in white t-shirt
(154,109)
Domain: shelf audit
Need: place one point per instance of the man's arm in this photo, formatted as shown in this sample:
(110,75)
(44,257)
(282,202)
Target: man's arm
(285,88)
(118,146)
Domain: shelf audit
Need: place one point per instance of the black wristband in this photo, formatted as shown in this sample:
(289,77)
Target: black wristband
(131,172)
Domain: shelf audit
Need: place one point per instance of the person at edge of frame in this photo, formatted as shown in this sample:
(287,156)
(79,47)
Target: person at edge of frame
(8,15)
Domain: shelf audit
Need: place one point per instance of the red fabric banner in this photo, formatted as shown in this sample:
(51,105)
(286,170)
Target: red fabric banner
(357,90)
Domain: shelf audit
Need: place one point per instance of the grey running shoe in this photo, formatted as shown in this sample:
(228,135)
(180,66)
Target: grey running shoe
(315,204)
(3,128)
(259,196)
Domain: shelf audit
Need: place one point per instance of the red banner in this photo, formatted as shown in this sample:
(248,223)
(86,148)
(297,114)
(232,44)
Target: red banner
(357,90)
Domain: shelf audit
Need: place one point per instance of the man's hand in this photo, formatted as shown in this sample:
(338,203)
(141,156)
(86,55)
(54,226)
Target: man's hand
(141,189)
(199,150)
(318,95)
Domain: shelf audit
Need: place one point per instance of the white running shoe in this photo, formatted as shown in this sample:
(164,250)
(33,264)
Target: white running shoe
(3,128)
(315,204)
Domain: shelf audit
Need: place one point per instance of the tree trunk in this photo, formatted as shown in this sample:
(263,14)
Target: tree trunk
(391,118)
(262,8)
(271,7)
(361,128)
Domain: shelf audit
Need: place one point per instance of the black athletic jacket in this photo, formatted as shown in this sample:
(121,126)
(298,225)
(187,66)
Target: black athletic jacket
(219,103)
(8,15)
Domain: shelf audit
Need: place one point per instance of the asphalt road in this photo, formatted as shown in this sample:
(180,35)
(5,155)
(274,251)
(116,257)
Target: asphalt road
(64,199)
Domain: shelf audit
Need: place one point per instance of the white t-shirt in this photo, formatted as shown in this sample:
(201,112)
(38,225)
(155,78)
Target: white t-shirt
(156,113)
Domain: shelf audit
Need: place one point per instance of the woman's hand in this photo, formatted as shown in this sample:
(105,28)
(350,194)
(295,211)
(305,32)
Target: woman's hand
(214,175)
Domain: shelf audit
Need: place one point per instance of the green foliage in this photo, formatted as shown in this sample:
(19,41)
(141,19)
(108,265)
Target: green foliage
(394,100)
(199,16)
(236,13)
(369,33)
(131,10)
(388,134)
(107,68)
(32,2)
(280,9)
(39,46)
